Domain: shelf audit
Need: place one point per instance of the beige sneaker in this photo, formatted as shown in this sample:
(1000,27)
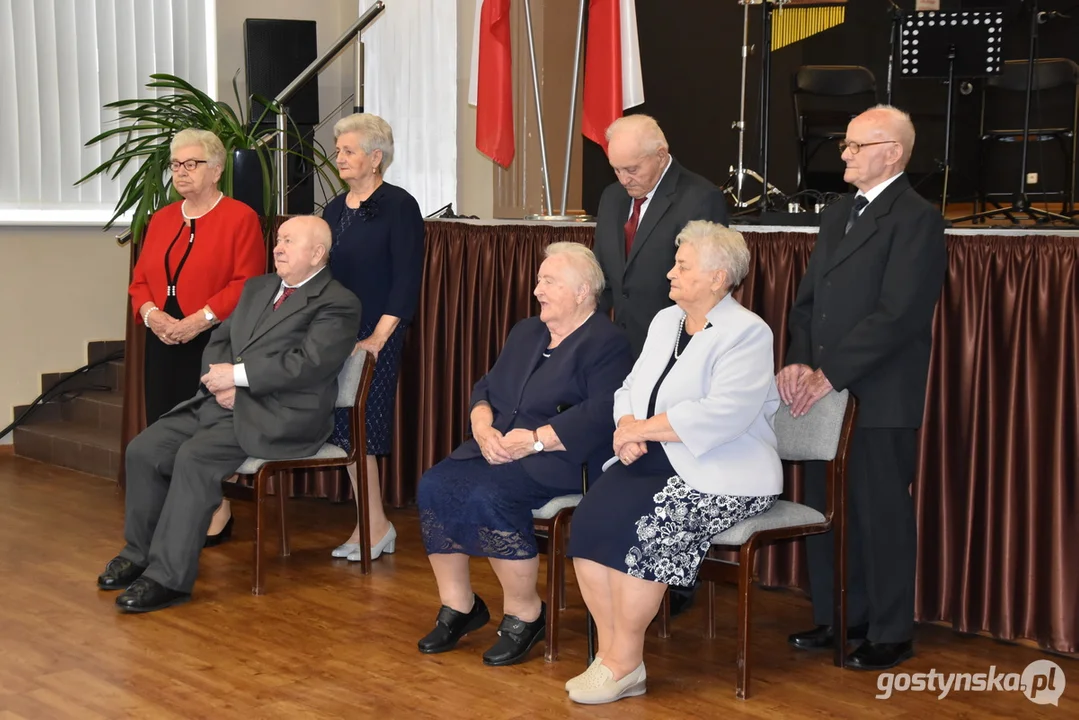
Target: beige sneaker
(577,680)
(599,686)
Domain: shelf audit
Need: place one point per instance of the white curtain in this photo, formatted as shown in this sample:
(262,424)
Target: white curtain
(61,61)
(410,71)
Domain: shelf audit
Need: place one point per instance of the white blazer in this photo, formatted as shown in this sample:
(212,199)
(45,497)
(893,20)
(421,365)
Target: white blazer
(720,398)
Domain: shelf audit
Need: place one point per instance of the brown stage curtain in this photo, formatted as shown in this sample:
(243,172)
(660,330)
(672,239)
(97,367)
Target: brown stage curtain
(996,498)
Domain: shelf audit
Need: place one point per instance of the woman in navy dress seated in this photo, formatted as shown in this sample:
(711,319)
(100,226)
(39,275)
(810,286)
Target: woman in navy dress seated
(377,254)
(543,410)
(695,453)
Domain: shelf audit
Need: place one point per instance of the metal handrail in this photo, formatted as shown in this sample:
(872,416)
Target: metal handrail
(280,102)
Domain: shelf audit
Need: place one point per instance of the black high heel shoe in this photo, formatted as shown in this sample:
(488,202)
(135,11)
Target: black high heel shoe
(225,534)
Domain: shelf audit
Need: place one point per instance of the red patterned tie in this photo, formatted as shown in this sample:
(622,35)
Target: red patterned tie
(287,291)
(633,222)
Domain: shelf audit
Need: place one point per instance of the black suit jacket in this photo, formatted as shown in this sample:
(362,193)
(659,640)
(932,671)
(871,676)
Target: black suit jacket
(864,309)
(582,374)
(637,286)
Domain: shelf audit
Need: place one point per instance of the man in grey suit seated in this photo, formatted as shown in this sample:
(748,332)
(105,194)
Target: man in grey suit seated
(268,391)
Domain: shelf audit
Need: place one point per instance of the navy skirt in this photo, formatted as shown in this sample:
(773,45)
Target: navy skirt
(380,398)
(643,520)
(482,510)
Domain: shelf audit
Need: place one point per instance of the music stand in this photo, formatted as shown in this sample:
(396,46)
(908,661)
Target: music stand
(944,44)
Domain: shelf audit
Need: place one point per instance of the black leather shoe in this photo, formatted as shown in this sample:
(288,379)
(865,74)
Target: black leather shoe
(451,626)
(880,656)
(146,595)
(823,636)
(119,573)
(225,534)
(516,638)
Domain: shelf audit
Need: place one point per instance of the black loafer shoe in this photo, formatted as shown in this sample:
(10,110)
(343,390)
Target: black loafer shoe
(880,656)
(225,534)
(451,626)
(516,638)
(119,573)
(146,595)
(823,636)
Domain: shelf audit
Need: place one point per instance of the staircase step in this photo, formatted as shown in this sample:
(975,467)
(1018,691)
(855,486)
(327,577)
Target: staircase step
(76,445)
(96,408)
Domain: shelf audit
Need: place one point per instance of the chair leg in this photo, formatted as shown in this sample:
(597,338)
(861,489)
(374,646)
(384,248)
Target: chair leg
(550,653)
(284,487)
(363,514)
(745,591)
(257,585)
(710,611)
(665,615)
(563,543)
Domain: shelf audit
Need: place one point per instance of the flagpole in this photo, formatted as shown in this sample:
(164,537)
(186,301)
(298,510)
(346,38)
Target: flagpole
(539,110)
(573,104)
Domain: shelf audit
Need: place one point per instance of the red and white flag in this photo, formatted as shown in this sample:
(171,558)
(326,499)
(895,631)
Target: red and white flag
(490,87)
(612,66)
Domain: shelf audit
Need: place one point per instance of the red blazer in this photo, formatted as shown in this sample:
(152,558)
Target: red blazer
(229,249)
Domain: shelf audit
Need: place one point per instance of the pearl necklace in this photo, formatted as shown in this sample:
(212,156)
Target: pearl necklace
(681,329)
(183,209)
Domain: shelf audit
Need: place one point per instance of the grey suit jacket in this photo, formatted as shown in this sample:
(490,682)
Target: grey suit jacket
(637,286)
(292,356)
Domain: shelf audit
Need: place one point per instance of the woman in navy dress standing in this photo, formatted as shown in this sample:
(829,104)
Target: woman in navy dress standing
(377,254)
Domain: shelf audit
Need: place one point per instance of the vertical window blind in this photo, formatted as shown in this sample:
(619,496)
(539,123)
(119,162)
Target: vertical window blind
(61,62)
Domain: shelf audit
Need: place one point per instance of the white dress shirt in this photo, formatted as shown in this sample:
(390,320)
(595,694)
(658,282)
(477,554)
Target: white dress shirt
(239,373)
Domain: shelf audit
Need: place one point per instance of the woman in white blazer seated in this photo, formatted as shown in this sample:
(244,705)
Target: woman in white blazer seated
(695,453)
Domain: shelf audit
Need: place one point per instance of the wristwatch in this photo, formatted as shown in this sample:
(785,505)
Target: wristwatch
(209,315)
(538,445)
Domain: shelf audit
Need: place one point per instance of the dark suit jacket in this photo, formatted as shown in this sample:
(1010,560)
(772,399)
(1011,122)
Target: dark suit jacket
(864,309)
(292,356)
(637,286)
(582,374)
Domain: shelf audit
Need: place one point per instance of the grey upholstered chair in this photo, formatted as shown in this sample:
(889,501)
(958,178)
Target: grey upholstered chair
(824,433)
(551,523)
(353,384)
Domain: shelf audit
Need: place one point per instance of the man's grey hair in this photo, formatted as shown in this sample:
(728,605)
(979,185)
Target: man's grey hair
(903,126)
(375,134)
(645,128)
(211,145)
(591,274)
(718,248)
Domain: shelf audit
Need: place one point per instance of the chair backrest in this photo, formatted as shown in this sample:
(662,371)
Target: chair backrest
(815,435)
(349,379)
(1049,73)
(834,80)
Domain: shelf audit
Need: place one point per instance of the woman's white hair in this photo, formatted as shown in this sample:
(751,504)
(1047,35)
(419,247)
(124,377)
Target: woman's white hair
(718,247)
(211,145)
(375,134)
(591,274)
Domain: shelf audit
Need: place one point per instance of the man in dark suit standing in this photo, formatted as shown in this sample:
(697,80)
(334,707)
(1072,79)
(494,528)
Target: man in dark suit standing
(639,217)
(862,321)
(269,391)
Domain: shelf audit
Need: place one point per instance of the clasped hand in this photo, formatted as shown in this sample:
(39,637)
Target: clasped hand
(219,378)
(499,449)
(800,387)
(629,442)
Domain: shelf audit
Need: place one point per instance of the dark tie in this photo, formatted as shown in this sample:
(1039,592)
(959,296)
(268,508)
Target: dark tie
(284,294)
(859,204)
(633,222)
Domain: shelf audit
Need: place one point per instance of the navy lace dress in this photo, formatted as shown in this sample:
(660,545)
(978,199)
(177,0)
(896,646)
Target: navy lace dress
(378,254)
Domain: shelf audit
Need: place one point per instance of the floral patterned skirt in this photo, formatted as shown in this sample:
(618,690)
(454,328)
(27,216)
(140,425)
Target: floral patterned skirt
(646,522)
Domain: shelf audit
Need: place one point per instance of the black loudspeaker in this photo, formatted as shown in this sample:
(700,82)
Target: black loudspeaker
(276,52)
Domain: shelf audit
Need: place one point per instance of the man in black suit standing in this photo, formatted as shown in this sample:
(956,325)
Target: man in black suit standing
(639,217)
(862,321)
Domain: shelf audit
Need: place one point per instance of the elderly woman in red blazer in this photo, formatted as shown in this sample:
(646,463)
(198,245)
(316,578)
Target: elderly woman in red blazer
(195,258)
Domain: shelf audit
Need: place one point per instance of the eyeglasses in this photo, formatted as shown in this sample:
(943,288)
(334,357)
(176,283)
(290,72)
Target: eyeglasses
(190,165)
(855,147)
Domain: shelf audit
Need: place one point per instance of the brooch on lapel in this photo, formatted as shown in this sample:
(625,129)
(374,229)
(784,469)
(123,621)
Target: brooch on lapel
(367,210)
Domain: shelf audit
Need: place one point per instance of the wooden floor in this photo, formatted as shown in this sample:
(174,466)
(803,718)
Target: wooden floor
(327,642)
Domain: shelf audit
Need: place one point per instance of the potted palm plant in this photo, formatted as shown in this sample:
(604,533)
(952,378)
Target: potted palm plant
(147,126)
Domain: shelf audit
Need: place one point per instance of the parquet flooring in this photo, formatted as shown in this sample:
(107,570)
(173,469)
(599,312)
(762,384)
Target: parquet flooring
(328,642)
